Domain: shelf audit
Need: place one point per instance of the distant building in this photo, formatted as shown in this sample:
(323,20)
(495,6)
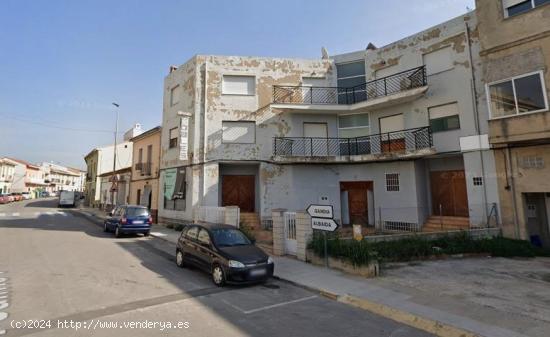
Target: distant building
(99,163)
(144,188)
(61,178)
(28,178)
(7,171)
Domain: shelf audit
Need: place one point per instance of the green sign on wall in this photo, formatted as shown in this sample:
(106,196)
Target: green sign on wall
(169,182)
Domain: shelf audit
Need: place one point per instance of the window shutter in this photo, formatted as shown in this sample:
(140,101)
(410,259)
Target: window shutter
(443,111)
(510,3)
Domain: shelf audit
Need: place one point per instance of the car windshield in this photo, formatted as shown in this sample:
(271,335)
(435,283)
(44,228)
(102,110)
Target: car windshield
(137,211)
(228,237)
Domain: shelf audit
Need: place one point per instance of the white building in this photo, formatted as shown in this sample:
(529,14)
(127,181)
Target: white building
(7,172)
(99,163)
(389,136)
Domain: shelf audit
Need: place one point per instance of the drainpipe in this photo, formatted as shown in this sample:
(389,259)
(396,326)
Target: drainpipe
(512,188)
(475,104)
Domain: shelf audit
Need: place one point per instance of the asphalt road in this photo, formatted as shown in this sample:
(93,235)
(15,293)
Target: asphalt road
(61,268)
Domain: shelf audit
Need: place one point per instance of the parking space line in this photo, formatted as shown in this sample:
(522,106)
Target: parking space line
(15,214)
(2,214)
(267,307)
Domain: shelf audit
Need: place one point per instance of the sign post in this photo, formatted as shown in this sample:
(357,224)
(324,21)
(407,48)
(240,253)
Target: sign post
(322,219)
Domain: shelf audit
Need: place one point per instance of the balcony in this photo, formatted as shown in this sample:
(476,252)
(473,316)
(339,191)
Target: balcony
(394,89)
(145,168)
(410,143)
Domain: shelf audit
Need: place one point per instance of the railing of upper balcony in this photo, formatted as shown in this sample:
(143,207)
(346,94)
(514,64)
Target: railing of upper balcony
(406,80)
(400,141)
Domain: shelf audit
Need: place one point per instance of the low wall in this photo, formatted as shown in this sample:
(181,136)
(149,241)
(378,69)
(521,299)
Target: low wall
(370,270)
(474,233)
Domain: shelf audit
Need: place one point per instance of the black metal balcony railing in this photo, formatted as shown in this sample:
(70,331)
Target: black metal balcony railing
(406,80)
(399,141)
(145,168)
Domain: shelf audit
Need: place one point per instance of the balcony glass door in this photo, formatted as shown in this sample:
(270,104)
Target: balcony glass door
(391,135)
(317,136)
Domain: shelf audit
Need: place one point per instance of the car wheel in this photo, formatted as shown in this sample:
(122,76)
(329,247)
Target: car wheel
(218,276)
(105,228)
(117,232)
(180,260)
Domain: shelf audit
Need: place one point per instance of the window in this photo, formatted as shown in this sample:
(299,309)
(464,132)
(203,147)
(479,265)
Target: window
(438,61)
(478,181)
(238,85)
(174,189)
(355,125)
(239,132)
(392,182)
(192,233)
(517,95)
(173,134)
(140,156)
(515,7)
(175,94)
(532,162)
(203,237)
(350,75)
(444,117)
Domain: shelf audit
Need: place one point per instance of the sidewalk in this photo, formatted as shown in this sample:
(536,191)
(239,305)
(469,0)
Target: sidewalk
(435,312)
(438,311)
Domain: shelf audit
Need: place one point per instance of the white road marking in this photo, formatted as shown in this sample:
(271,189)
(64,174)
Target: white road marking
(267,307)
(15,214)
(2,214)
(158,234)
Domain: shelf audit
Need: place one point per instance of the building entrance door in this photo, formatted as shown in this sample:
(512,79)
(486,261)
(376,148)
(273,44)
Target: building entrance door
(449,194)
(239,190)
(357,201)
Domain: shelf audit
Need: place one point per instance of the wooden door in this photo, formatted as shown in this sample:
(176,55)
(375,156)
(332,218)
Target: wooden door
(239,191)
(391,136)
(357,200)
(449,191)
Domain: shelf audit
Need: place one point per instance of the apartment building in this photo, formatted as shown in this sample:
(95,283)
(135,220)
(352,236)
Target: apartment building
(7,171)
(144,187)
(389,136)
(515,53)
(27,177)
(61,178)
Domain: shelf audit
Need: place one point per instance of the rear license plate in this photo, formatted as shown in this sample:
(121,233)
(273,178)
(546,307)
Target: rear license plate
(257,272)
(137,222)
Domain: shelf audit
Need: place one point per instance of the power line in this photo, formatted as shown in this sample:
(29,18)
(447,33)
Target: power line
(57,126)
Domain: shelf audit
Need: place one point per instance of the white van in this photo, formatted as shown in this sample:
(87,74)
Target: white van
(66,198)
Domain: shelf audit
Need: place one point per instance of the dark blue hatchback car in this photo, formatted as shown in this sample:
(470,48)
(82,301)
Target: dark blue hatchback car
(128,219)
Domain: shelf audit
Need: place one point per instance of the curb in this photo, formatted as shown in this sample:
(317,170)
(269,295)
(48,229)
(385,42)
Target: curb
(429,325)
(421,323)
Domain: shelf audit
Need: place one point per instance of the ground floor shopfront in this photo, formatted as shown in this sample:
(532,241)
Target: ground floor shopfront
(392,195)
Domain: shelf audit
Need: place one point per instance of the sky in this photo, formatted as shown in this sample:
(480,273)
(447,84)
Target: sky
(62,63)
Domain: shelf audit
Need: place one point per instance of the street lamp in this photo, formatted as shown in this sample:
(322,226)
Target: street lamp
(113,186)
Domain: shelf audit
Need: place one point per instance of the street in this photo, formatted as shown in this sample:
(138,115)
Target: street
(62,268)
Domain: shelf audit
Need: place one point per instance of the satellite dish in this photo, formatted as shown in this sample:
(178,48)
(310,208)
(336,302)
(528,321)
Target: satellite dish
(324,53)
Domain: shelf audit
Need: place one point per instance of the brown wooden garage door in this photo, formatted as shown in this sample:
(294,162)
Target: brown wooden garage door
(449,191)
(239,191)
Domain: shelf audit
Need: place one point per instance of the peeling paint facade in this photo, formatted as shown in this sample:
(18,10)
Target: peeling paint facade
(233,122)
(516,49)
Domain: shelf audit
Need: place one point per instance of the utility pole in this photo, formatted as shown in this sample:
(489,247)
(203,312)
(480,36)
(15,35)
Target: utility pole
(114,159)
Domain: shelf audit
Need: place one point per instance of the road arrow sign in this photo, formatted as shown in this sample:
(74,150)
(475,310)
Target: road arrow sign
(328,225)
(320,211)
